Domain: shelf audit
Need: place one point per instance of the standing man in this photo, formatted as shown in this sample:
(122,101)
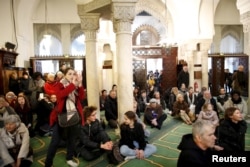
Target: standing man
(239,79)
(183,77)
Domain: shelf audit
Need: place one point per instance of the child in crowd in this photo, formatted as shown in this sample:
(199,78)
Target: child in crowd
(208,113)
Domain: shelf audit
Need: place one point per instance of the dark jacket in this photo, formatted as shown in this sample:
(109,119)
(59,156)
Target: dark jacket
(142,105)
(129,135)
(183,77)
(232,136)
(178,106)
(222,99)
(157,110)
(193,99)
(111,110)
(172,99)
(201,102)
(191,155)
(14,85)
(92,135)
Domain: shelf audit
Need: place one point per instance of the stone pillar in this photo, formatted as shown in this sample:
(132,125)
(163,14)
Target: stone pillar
(123,15)
(190,62)
(245,19)
(90,25)
(189,54)
(203,52)
(65,35)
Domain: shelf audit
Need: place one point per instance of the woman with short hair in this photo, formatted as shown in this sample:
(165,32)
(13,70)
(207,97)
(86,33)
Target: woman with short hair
(231,131)
(15,137)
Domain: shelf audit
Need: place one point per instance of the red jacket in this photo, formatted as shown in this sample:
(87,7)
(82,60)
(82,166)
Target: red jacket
(61,94)
(50,87)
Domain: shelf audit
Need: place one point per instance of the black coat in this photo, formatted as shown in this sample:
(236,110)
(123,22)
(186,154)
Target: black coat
(191,155)
(111,109)
(222,100)
(232,136)
(14,85)
(129,135)
(201,102)
(183,77)
(92,135)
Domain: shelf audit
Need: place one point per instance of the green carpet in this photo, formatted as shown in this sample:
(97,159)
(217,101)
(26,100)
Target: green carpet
(166,141)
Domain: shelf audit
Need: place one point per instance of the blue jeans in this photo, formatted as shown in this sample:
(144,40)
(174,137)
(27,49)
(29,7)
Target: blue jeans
(70,133)
(148,150)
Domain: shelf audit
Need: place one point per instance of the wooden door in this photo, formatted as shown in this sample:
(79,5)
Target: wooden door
(216,75)
(139,73)
(169,79)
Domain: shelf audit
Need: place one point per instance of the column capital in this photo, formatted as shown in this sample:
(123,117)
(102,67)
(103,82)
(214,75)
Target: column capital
(245,20)
(123,14)
(90,21)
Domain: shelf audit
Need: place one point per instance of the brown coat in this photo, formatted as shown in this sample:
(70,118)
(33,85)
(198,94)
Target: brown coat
(177,106)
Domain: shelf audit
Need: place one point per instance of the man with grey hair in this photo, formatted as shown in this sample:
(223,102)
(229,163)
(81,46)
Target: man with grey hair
(196,147)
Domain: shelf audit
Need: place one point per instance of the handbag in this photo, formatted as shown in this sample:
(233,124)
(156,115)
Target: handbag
(63,120)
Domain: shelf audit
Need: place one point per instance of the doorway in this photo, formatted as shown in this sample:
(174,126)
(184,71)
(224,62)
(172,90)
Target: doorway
(218,66)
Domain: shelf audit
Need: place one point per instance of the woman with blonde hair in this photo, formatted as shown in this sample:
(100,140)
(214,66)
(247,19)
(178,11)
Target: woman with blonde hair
(172,97)
(181,109)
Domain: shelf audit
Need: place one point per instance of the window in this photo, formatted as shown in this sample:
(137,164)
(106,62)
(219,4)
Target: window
(50,45)
(78,46)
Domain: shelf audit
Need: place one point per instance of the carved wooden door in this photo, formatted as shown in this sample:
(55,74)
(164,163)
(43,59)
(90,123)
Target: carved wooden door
(216,75)
(169,79)
(139,73)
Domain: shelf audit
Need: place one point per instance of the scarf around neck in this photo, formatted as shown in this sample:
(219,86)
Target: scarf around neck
(70,100)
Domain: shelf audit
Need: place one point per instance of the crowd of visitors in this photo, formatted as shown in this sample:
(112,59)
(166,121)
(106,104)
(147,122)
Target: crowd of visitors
(53,106)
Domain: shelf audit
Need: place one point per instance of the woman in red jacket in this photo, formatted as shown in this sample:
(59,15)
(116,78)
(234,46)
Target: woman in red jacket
(70,93)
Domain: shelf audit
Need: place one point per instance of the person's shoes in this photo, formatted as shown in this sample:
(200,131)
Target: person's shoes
(158,127)
(72,163)
(129,157)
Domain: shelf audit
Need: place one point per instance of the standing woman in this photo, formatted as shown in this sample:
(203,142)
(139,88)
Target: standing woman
(132,143)
(232,130)
(69,96)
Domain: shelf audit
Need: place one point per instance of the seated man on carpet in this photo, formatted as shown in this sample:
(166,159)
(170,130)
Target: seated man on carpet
(94,140)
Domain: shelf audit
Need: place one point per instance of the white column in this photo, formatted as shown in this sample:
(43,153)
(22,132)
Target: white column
(204,47)
(190,62)
(90,25)
(123,15)
(245,19)
(204,69)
